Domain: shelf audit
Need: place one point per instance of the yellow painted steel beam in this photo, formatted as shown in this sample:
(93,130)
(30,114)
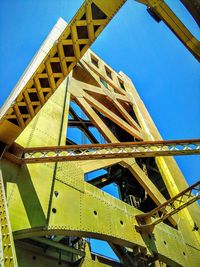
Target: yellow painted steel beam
(60,246)
(163,11)
(193,6)
(98,215)
(169,208)
(103,151)
(77,37)
(7,249)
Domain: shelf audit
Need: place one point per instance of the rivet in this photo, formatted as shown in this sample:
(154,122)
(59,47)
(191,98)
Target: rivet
(54,210)
(56,193)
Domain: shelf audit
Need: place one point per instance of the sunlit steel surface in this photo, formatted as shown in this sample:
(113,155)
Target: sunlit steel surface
(104,151)
(160,10)
(55,200)
(149,220)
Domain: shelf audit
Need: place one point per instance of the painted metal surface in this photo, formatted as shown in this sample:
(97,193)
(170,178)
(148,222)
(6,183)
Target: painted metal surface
(160,10)
(103,151)
(166,210)
(80,209)
(59,57)
(52,198)
(7,248)
(61,53)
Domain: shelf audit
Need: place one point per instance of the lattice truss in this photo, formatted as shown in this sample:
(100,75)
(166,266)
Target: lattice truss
(98,102)
(9,256)
(172,206)
(75,40)
(105,99)
(102,151)
(112,106)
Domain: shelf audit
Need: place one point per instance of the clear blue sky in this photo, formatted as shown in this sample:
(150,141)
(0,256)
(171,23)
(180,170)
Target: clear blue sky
(165,74)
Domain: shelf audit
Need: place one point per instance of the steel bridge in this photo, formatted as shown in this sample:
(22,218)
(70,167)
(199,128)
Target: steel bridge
(48,209)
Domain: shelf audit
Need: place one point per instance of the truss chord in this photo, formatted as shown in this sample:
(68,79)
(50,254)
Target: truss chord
(161,213)
(58,61)
(97,151)
(160,10)
(8,249)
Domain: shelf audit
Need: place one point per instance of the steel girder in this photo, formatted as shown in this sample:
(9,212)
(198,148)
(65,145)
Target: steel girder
(161,11)
(61,54)
(58,57)
(103,151)
(40,196)
(55,187)
(166,210)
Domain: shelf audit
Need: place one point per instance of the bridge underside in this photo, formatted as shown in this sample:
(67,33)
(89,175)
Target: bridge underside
(54,208)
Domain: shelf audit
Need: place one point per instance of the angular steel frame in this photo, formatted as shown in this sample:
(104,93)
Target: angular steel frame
(103,151)
(45,212)
(169,208)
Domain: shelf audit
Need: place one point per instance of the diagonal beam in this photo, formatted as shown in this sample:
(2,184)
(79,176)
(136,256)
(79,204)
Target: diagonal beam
(147,184)
(112,116)
(95,119)
(160,9)
(125,114)
(113,97)
(120,92)
(169,208)
(101,90)
(56,58)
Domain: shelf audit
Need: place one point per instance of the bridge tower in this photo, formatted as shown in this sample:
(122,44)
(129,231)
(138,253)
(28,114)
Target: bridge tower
(52,185)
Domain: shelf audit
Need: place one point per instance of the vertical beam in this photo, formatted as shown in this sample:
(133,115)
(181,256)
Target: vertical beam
(7,250)
(170,172)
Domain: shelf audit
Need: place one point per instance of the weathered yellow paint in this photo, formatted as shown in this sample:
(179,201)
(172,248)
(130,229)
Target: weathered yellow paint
(70,41)
(78,208)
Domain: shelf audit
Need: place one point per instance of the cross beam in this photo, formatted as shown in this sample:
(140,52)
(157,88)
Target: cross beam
(56,59)
(148,221)
(161,11)
(21,155)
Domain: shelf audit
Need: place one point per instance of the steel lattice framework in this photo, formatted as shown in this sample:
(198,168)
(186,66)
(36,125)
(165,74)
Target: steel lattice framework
(38,86)
(104,151)
(171,207)
(55,199)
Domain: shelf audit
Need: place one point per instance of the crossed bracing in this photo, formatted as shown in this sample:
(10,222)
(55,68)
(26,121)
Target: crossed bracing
(69,48)
(21,155)
(59,61)
(148,221)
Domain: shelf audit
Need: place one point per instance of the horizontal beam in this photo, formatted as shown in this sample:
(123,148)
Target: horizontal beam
(169,208)
(103,151)
(75,123)
(60,246)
